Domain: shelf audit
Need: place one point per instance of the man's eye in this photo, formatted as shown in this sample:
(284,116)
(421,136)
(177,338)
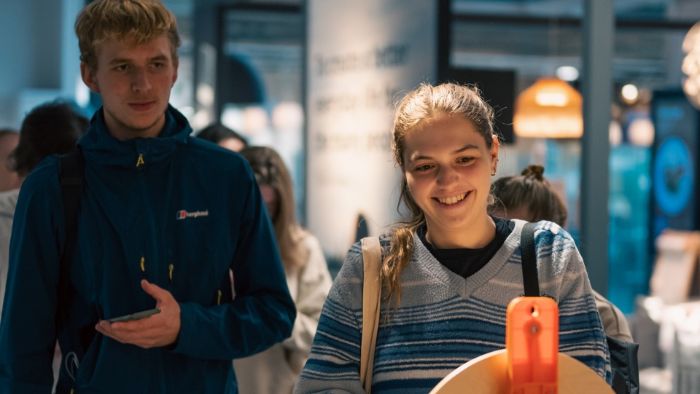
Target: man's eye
(158,65)
(121,67)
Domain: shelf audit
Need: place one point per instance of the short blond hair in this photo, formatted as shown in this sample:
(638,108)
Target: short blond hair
(138,20)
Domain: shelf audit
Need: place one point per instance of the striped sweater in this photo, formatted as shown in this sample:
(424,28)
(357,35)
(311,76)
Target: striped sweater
(445,320)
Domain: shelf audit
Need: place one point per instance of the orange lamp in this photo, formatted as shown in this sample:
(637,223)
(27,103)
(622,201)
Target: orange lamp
(550,108)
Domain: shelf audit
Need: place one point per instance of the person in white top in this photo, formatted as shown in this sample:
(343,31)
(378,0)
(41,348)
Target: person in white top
(9,179)
(276,370)
(50,128)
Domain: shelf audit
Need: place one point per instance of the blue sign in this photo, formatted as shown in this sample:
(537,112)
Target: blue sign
(673,175)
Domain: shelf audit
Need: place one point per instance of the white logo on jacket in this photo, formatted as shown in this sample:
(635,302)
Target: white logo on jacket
(183,214)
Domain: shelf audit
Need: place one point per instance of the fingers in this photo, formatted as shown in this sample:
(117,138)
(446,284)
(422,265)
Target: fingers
(158,293)
(135,333)
(146,339)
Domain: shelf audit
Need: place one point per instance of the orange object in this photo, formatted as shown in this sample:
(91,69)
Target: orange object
(532,345)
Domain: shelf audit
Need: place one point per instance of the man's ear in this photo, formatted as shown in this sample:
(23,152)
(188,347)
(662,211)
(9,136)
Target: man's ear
(88,76)
(176,63)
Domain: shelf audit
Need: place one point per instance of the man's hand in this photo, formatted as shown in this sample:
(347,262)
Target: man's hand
(157,330)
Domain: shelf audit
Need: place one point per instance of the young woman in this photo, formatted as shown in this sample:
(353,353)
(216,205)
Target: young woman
(275,370)
(450,269)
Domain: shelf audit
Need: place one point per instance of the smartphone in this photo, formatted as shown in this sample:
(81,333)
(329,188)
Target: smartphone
(134,316)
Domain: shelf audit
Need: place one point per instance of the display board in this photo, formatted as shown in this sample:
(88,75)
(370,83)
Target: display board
(674,163)
(361,57)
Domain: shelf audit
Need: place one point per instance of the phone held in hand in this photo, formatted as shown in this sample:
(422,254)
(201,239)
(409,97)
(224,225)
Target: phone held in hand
(134,316)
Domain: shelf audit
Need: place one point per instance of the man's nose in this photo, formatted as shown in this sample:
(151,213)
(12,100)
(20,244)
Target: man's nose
(140,81)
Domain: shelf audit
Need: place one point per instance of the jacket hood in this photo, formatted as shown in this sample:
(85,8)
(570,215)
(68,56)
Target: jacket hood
(99,146)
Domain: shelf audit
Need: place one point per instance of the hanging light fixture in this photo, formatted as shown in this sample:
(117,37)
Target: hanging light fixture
(550,108)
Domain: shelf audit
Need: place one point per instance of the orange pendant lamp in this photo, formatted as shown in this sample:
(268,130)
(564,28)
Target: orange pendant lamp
(550,108)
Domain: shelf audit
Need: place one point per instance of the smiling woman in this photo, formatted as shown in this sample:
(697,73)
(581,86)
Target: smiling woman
(450,269)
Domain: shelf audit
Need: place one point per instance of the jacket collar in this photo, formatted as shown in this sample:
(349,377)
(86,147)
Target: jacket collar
(99,146)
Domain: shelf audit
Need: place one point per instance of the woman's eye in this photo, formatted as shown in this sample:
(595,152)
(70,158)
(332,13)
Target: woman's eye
(465,160)
(423,168)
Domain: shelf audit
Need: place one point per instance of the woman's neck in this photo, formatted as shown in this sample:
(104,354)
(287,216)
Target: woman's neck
(475,237)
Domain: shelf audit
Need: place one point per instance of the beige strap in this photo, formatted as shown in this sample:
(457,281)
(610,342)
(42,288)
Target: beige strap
(371,298)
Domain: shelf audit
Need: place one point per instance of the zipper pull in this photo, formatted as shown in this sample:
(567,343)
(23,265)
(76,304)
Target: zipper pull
(142,264)
(140,162)
(171,268)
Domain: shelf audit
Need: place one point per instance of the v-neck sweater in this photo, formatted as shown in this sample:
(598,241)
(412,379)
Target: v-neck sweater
(464,261)
(444,320)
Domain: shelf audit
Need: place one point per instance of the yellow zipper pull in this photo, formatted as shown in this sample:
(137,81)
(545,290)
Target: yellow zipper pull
(218,297)
(140,162)
(171,268)
(142,264)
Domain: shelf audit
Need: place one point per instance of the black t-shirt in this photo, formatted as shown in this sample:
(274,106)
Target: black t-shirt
(467,262)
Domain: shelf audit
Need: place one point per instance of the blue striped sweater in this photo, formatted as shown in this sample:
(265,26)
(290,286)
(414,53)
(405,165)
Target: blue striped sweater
(445,320)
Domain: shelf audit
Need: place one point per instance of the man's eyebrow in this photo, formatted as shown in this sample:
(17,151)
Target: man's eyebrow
(120,60)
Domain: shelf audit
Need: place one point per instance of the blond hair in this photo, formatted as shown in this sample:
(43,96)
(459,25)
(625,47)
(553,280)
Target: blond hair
(269,169)
(418,106)
(138,20)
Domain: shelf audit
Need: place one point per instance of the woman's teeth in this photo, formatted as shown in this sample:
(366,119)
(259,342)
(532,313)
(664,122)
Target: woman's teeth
(452,200)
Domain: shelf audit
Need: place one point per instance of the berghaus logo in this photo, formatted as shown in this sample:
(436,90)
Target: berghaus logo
(183,214)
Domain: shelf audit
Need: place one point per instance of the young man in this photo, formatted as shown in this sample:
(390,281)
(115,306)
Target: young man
(164,218)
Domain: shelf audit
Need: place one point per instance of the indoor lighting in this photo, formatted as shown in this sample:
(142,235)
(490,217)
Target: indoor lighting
(629,93)
(550,108)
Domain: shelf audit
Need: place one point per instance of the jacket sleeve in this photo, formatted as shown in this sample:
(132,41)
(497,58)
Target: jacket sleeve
(581,333)
(262,312)
(314,282)
(28,329)
(334,362)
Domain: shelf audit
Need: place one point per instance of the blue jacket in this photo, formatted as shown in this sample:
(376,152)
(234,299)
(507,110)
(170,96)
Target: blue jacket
(175,210)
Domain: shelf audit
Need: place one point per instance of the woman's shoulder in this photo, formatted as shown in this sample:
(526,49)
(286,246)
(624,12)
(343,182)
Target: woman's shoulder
(355,251)
(546,233)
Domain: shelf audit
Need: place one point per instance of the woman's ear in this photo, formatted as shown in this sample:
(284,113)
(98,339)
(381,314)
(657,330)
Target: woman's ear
(495,147)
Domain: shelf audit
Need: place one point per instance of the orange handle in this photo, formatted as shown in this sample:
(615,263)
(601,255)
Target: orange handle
(532,344)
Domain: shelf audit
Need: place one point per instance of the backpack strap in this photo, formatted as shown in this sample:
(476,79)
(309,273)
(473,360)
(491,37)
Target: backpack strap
(371,300)
(529,260)
(71,168)
(70,176)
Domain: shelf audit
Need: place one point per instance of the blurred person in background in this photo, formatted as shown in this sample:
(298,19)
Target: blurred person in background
(276,370)
(50,128)
(223,136)
(9,179)
(530,196)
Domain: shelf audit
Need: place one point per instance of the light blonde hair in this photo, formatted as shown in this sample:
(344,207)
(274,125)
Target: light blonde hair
(269,169)
(419,106)
(138,20)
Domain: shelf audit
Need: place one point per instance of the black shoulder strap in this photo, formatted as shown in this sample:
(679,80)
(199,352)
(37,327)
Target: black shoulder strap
(529,260)
(71,168)
(74,339)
